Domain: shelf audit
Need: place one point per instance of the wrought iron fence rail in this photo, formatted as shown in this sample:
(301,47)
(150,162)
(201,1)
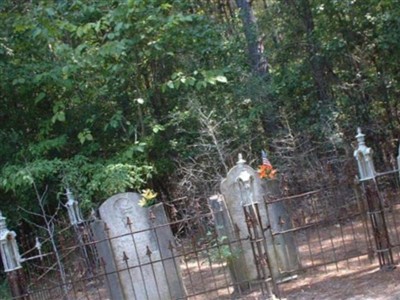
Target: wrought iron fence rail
(381,174)
(327,221)
(270,199)
(47,240)
(334,261)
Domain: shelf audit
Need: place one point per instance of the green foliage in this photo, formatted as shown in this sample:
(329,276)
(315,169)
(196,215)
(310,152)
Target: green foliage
(220,250)
(101,88)
(89,180)
(333,65)
(18,177)
(106,97)
(115,178)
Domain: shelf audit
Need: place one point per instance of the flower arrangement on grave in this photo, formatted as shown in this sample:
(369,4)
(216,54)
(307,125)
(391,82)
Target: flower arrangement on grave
(266,171)
(148,198)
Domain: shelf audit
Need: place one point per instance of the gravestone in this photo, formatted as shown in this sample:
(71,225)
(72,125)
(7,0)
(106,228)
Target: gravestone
(279,220)
(238,267)
(242,187)
(104,251)
(141,245)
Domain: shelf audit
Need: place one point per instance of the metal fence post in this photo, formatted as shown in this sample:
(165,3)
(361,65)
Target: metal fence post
(367,173)
(258,240)
(12,261)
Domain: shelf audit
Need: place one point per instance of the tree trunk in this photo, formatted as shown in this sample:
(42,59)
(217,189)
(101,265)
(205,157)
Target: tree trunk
(258,61)
(317,61)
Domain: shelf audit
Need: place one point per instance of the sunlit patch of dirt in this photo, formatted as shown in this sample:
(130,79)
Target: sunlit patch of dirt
(356,283)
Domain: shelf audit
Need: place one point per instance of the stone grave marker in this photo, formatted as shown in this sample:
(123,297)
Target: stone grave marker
(104,251)
(238,267)
(236,197)
(141,246)
(279,219)
(242,187)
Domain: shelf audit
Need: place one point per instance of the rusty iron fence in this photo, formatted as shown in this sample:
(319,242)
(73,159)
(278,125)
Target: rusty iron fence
(332,226)
(325,233)
(336,223)
(79,271)
(342,224)
(330,234)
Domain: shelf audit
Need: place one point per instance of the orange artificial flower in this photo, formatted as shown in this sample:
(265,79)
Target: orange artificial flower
(267,172)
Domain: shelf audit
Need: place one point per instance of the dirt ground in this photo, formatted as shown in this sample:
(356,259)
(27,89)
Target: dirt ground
(359,282)
(362,283)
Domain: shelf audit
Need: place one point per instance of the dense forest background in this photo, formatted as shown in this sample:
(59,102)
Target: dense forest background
(111,96)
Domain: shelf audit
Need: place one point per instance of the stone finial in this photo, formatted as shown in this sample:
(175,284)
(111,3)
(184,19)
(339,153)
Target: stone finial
(363,155)
(70,197)
(240,161)
(2,222)
(38,246)
(9,248)
(93,215)
(74,212)
(360,137)
(3,225)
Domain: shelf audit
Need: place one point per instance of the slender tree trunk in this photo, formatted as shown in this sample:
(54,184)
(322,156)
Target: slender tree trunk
(317,61)
(231,7)
(258,61)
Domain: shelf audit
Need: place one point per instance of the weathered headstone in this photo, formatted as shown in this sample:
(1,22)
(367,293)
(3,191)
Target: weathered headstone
(105,253)
(226,229)
(242,187)
(279,221)
(142,248)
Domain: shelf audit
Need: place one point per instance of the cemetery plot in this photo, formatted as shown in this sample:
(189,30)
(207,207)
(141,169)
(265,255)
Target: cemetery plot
(333,255)
(251,242)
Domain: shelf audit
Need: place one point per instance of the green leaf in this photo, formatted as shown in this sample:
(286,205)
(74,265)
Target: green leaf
(139,100)
(85,135)
(18,81)
(50,11)
(221,78)
(201,84)
(170,84)
(158,128)
(40,97)
(59,116)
